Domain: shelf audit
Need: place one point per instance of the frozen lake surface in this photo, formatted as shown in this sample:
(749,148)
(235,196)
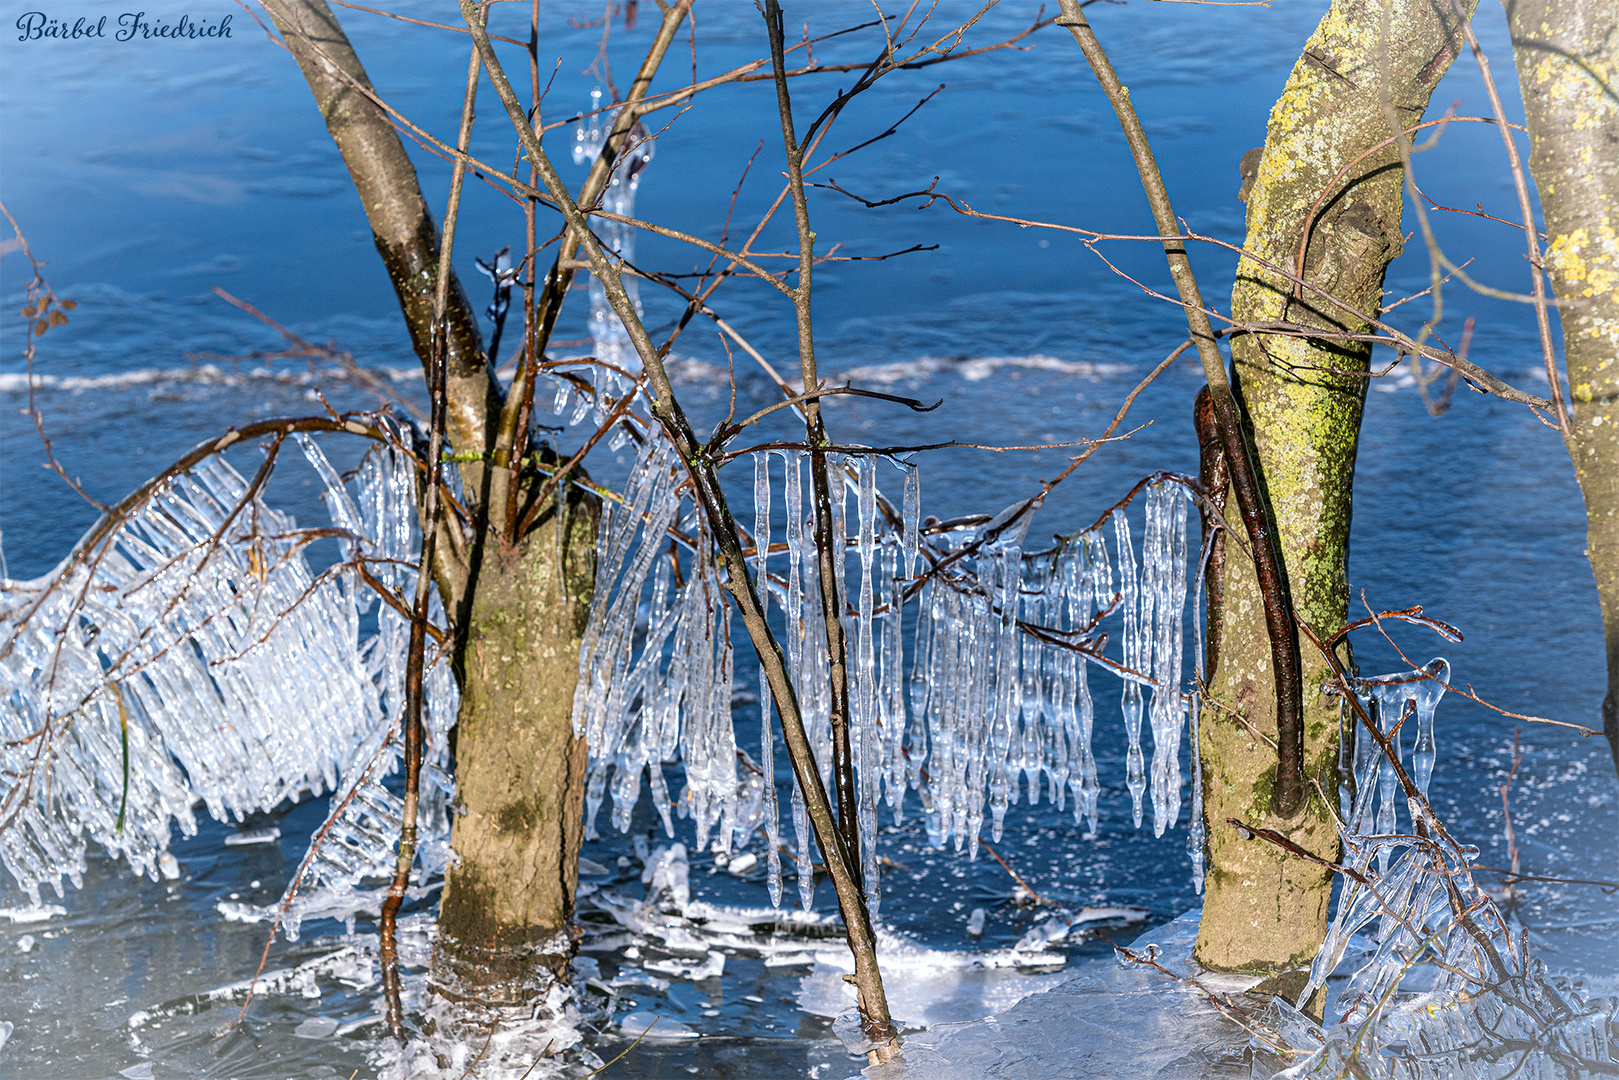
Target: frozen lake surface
(146,177)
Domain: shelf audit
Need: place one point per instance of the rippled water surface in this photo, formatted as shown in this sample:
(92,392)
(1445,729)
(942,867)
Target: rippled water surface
(147,174)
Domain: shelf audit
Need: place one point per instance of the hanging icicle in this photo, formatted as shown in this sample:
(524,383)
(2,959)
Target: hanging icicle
(611,341)
(767,735)
(1164,578)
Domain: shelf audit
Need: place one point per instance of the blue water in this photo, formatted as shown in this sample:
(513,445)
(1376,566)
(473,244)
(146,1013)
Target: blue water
(147,173)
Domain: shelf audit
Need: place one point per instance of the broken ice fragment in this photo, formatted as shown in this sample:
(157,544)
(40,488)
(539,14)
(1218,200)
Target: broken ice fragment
(316,1027)
(654,1026)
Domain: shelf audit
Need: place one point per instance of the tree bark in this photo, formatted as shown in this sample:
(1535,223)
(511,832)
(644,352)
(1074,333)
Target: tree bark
(520,773)
(519,608)
(1567,55)
(401,225)
(1360,72)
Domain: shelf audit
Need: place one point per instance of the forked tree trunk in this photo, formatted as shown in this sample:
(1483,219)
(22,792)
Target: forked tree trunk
(1568,68)
(1265,910)
(519,609)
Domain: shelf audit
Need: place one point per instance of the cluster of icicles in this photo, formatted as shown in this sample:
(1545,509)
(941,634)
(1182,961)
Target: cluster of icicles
(611,343)
(195,657)
(1445,989)
(160,668)
(996,686)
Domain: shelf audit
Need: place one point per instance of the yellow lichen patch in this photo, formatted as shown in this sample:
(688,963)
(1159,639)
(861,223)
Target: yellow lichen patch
(1579,85)
(1580,258)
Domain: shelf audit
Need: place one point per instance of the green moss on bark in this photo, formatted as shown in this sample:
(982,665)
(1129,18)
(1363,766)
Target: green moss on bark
(1368,65)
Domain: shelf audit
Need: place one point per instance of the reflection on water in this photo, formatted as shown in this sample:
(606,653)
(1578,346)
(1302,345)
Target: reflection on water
(180,174)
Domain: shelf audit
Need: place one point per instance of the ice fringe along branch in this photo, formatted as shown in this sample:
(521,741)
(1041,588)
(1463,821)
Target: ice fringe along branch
(1444,987)
(193,612)
(202,600)
(998,685)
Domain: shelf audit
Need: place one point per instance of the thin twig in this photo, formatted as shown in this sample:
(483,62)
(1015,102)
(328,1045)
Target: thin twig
(1288,792)
(1023,884)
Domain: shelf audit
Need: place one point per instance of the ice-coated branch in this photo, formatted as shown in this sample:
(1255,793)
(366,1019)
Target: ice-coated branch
(830,551)
(830,548)
(155,665)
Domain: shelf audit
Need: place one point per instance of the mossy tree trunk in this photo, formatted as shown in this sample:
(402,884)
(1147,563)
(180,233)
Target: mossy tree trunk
(519,606)
(1264,910)
(1568,68)
(504,921)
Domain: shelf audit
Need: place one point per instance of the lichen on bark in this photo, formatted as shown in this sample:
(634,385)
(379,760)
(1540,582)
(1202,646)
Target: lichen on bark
(1368,65)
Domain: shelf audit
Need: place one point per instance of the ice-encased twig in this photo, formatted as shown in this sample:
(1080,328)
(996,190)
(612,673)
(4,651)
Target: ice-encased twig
(1483,1006)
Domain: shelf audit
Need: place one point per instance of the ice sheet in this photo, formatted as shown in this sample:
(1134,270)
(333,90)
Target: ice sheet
(1105,1021)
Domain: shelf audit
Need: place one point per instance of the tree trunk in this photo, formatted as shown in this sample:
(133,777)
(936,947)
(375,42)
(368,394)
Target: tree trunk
(519,608)
(403,229)
(503,924)
(1568,67)
(1265,910)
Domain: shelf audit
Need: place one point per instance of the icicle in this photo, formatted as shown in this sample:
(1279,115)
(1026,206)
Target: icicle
(1094,590)
(911,515)
(867,732)
(1008,528)
(919,685)
(761,525)
(767,765)
(1166,541)
(723,751)
(1134,640)
(952,677)
(1389,715)
(1063,740)
(1031,755)
(1087,798)
(891,690)
(767,736)
(1197,831)
(793,606)
(806,872)
(1427,694)
(966,710)
(645,680)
